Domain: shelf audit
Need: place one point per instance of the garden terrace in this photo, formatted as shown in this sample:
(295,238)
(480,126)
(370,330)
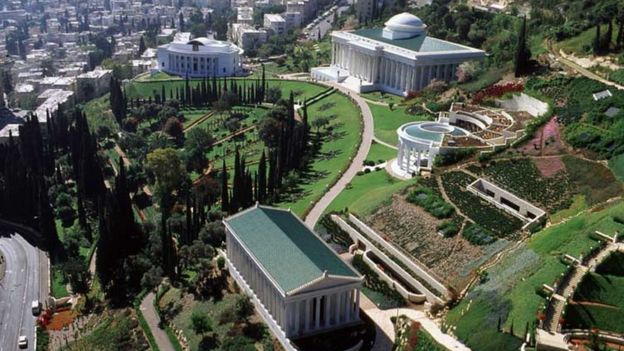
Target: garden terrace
(452,258)
(507,201)
(509,291)
(521,176)
(479,211)
(455,141)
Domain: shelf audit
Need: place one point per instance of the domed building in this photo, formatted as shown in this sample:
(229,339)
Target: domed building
(399,58)
(200,57)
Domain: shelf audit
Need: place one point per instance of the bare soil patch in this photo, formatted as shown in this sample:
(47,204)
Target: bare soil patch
(414,230)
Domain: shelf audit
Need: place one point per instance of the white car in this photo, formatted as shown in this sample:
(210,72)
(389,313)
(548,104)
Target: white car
(22,342)
(36,307)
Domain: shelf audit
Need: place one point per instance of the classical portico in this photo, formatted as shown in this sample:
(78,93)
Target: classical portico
(300,283)
(398,58)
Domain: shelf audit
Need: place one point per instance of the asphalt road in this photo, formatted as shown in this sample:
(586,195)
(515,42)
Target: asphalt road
(21,285)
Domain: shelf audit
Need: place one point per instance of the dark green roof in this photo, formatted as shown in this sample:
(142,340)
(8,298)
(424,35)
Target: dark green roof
(290,252)
(420,43)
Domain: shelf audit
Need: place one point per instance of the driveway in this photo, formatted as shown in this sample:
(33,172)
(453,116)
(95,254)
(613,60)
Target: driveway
(21,285)
(356,163)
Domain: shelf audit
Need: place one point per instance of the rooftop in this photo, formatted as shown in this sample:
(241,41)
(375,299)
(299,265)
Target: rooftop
(290,252)
(420,43)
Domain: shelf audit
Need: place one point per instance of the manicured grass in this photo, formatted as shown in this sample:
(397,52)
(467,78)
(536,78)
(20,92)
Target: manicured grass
(578,205)
(510,292)
(485,79)
(388,121)
(606,293)
(58,284)
(380,152)
(617,166)
(336,152)
(367,192)
(99,114)
(383,97)
(582,43)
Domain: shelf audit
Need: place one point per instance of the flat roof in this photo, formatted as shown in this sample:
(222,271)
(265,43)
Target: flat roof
(290,252)
(420,43)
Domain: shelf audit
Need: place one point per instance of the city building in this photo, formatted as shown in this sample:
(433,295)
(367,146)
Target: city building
(200,57)
(299,285)
(398,58)
(244,15)
(247,37)
(98,80)
(275,23)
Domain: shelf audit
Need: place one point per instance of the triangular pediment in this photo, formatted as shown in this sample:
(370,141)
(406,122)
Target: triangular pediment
(326,281)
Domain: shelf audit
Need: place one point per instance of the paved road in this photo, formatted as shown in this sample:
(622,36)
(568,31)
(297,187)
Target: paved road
(152,319)
(356,162)
(21,285)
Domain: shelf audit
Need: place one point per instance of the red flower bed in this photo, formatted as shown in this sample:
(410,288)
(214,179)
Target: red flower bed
(497,91)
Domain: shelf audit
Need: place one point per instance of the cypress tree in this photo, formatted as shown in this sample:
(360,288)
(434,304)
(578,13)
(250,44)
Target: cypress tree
(262,181)
(225,198)
(522,52)
(597,40)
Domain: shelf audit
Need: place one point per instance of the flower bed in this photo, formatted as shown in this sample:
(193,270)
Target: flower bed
(522,178)
(489,217)
(430,201)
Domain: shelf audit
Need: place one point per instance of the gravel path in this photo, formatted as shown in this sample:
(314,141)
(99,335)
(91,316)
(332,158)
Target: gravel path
(152,319)
(356,163)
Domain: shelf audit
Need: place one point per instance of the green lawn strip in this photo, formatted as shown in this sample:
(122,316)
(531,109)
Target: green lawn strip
(382,97)
(578,205)
(582,43)
(367,192)
(485,79)
(510,290)
(591,316)
(381,153)
(617,166)
(143,323)
(388,121)
(335,153)
(59,286)
(606,289)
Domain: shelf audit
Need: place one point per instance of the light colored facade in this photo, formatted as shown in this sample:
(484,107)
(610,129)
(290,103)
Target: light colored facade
(99,79)
(398,59)
(275,23)
(247,37)
(200,57)
(298,283)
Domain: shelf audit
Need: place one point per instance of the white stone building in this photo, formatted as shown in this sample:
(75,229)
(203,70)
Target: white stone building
(397,59)
(247,37)
(200,57)
(298,284)
(275,23)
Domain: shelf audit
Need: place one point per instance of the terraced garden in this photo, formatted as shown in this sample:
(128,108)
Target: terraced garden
(598,301)
(508,291)
(489,217)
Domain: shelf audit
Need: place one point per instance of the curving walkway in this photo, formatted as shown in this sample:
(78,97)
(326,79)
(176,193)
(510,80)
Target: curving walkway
(152,319)
(356,163)
(385,336)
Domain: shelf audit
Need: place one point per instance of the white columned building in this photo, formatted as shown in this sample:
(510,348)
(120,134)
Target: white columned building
(200,57)
(299,284)
(398,58)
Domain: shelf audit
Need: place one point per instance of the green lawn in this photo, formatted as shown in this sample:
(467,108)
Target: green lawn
(383,97)
(380,152)
(582,43)
(388,121)
(367,192)
(617,166)
(335,154)
(578,204)
(510,290)
(484,79)
(58,287)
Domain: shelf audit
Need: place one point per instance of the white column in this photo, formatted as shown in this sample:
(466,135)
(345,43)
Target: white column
(307,315)
(348,306)
(327,305)
(296,325)
(357,303)
(338,300)
(418,161)
(317,308)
